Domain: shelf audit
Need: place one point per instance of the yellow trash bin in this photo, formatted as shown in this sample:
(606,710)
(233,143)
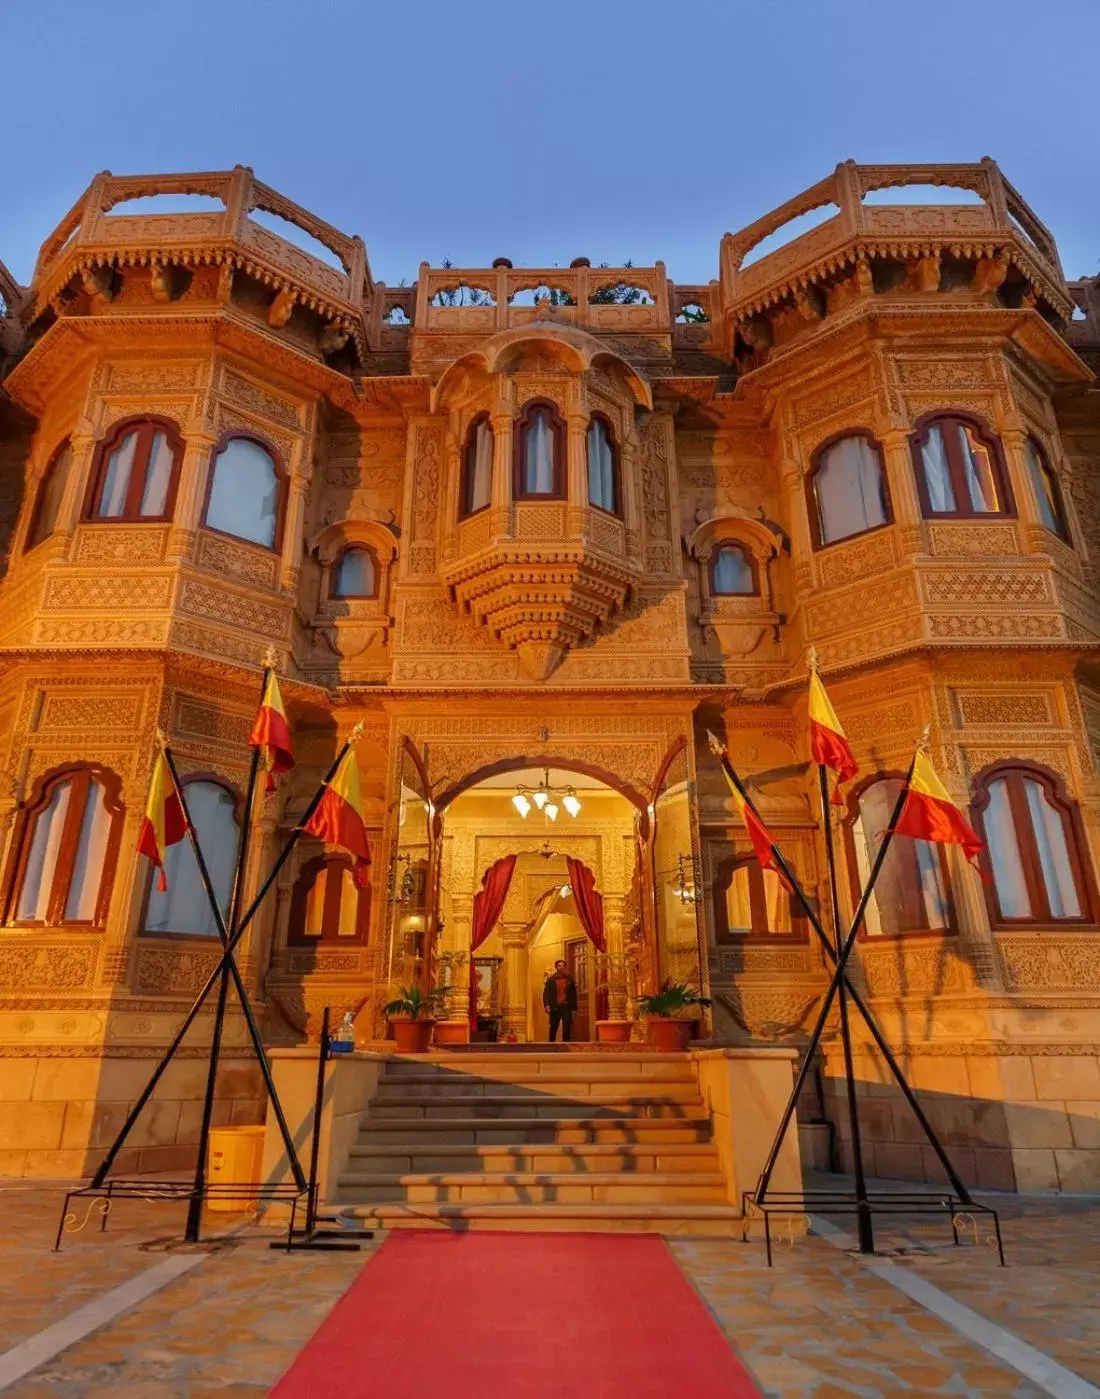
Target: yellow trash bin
(235,1157)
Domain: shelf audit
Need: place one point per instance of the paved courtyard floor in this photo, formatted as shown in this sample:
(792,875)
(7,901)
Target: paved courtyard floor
(820,1323)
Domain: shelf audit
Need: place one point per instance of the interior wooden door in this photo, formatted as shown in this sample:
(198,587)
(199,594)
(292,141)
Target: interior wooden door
(577,963)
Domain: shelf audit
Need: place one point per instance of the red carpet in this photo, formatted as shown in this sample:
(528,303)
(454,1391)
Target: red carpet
(518,1316)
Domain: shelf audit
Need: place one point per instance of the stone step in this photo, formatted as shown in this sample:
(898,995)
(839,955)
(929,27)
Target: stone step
(521,1108)
(459,1131)
(531,1187)
(526,1068)
(684,1158)
(675,1219)
(466,1086)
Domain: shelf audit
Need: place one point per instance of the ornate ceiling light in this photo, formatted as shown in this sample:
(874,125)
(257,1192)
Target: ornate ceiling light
(547,798)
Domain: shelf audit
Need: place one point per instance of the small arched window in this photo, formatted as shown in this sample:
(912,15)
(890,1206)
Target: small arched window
(1048,492)
(1035,854)
(603,467)
(47,500)
(910,895)
(848,490)
(65,850)
(539,453)
(960,469)
(183,907)
(245,492)
(136,471)
(752,902)
(733,572)
(355,572)
(327,905)
(477,468)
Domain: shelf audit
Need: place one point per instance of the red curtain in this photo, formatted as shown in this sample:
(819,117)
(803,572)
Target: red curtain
(589,905)
(488,904)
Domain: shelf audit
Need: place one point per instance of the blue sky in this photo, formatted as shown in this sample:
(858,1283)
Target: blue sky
(609,128)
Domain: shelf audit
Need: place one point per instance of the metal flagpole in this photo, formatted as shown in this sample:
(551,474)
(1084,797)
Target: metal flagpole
(863,1216)
(227,951)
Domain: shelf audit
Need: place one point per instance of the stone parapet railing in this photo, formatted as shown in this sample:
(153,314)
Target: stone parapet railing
(91,235)
(858,229)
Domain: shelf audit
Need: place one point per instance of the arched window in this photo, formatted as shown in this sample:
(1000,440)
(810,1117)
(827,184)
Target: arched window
(732,572)
(848,489)
(184,907)
(960,469)
(910,895)
(750,901)
(327,905)
(136,471)
(47,500)
(539,453)
(1047,490)
(477,468)
(603,467)
(246,490)
(65,850)
(354,572)
(1035,853)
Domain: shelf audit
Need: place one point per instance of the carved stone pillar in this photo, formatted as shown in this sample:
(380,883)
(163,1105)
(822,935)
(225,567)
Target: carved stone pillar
(83,447)
(614,920)
(904,504)
(801,543)
(254,953)
(198,454)
(501,507)
(514,994)
(292,532)
(971,914)
(460,930)
(576,472)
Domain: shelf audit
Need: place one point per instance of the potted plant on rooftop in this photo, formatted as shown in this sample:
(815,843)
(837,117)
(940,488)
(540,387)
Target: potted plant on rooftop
(668,1028)
(411,1015)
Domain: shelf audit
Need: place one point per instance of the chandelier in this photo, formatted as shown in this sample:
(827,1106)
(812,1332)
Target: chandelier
(547,798)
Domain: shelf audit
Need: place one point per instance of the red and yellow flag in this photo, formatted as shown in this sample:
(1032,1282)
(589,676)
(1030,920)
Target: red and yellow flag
(271,732)
(164,822)
(930,814)
(828,745)
(338,817)
(759,834)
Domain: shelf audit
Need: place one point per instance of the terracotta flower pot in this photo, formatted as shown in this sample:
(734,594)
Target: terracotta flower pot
(452,1032)
(613,1031)
(412,1036)
(668,1036)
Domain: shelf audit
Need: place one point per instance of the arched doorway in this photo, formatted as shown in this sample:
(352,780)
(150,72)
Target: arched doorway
(554,827)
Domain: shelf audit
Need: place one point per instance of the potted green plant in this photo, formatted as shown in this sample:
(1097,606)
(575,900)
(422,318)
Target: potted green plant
(410,1014)
(666,1024)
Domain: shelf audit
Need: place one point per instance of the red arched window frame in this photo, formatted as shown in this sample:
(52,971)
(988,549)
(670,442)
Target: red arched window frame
(724,876)
(47,496)
(310,872)
(949,423)
(334,571)
(813,503)
(901,856)
(557,428)
(1014,774)
(147,430)
(215,780)
(1048,490)
(466,509)
(282,480)
(747,555)
(81,776)
(616,466)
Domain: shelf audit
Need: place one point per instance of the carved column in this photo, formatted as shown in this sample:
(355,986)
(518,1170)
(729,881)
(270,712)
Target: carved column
(576,472)
(971,914)
(514,996)
(198,456)
(292,531)
(501,507)
(1023,489)
(124,921)
(905,506)
(460,930)
(83,447)
(255,951)
(614,920)
(801,543)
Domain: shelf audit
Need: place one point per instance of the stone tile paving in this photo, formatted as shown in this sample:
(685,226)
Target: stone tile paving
(818,1324)
(1049,1295)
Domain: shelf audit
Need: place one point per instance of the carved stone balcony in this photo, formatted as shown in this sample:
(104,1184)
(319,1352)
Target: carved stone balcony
(994,250)
(92,244)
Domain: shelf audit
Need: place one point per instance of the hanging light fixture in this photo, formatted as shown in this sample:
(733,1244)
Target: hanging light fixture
(547,798)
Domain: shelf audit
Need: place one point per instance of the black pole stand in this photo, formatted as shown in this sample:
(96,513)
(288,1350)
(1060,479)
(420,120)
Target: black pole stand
(316,1240)
(763,1200)
(195,1191)
(865,1225)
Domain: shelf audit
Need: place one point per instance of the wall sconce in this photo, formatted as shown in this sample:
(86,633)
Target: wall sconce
(400,890)
(687,879)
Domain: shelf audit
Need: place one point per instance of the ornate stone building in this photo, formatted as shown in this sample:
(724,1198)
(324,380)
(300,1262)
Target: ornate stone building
(546,526)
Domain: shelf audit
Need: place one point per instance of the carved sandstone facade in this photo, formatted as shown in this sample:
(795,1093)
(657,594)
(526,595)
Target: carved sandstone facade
(525,519)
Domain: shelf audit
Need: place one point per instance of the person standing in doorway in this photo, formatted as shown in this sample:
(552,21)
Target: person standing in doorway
(559,996)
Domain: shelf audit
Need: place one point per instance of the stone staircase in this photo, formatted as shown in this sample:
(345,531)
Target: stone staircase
(519,1139)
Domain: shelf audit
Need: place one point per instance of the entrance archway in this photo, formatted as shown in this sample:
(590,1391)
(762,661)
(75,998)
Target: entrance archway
(507,900)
